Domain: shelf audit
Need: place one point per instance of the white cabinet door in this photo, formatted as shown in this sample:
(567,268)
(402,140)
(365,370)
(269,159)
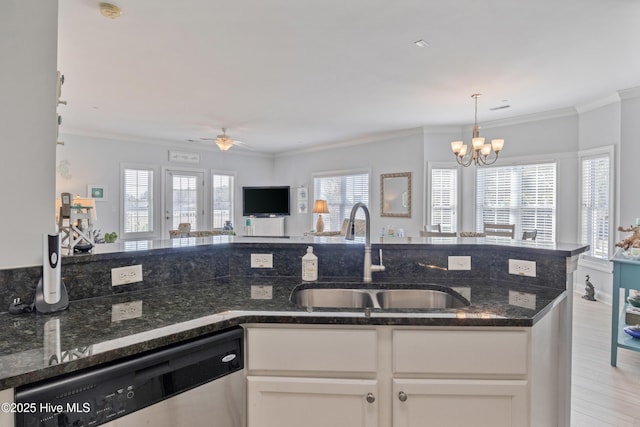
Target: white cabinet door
(311,402)
(459,403)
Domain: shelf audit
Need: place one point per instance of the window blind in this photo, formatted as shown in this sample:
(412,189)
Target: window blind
(594,206)
(341,192)
(222,199)
(524,195)
(444,198)
(138,200)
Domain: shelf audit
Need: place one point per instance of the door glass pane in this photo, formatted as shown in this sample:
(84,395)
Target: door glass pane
(185,200)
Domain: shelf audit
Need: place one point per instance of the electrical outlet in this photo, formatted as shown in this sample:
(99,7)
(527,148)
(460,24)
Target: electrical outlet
(522,268)
(261,260)
(459,263)
(126,311)
(261,292)
(465,291)
(522,299)
(126,275)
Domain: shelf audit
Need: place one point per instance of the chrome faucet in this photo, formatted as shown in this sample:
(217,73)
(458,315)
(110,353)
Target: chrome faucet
(368,267)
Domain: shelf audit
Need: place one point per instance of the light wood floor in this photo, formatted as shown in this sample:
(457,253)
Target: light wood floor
(602,395)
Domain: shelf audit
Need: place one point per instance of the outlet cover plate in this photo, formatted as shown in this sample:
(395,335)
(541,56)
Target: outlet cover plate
(522,299)
(459,263)
(126,311)
(261,260)
(126,275)
(522,268)
(261,292)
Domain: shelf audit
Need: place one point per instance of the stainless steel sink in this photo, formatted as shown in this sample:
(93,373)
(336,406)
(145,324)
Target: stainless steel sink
(418,299)
(332,298)
(360,298)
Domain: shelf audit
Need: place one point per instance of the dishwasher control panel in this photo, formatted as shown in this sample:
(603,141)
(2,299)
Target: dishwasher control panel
(107,392)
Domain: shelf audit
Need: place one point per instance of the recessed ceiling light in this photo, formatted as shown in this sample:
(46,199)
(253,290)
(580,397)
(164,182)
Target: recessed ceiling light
(421,43)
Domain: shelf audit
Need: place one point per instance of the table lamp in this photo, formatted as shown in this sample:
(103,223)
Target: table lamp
(320,207)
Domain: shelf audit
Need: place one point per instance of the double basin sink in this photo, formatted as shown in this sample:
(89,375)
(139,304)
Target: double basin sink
(425,297)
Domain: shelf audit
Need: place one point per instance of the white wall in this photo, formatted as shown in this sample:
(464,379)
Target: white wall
(393,154)
(28,48)
(545,137)
(87,160)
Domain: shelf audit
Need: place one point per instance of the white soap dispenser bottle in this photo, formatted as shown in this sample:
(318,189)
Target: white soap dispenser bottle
(309,266)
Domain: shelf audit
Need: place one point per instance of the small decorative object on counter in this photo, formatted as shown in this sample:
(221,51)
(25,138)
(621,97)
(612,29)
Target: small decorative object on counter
(309,266)
(248,228)
(227,226)
(589,290)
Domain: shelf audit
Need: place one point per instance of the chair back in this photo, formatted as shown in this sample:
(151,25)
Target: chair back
(359,227)
(437,234)
(65,205)
(530,235)
(434,227)
(502,230)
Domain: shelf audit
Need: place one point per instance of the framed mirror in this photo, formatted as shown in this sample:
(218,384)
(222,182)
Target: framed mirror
(395,194)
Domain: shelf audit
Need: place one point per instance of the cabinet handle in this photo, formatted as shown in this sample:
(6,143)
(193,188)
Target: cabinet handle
(371,398)
(402,396)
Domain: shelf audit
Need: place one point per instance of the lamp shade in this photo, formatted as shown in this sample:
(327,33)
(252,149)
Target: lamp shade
(320,206)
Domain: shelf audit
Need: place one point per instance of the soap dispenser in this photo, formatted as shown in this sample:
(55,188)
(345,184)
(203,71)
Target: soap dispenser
(309,266)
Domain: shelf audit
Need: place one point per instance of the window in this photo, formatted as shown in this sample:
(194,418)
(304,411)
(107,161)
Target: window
(341,191)
(444,198)
(524,195)
(137,200)
(595,203)
(222,188)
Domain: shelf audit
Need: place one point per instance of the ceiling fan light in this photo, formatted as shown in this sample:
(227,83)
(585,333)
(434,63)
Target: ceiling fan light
(224,143)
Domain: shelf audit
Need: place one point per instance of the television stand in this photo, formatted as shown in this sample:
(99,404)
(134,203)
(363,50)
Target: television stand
(267,227)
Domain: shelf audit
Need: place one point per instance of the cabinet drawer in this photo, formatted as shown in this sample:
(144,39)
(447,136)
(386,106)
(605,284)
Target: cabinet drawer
(312,350)
(459,352)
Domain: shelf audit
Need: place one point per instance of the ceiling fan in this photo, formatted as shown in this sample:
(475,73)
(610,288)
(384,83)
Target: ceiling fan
(223,141)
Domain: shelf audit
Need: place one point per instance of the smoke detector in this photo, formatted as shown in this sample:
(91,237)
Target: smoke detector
(110,10)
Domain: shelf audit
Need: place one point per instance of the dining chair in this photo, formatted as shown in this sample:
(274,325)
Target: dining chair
(502,230)
(434,227)
(530,235)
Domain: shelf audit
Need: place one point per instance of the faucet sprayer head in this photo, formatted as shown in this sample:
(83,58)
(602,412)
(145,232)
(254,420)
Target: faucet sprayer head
(350,230)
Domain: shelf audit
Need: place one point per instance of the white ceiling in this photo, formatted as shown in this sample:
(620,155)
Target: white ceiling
(287,74)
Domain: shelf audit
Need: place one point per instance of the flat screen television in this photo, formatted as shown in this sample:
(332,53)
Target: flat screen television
(266,201)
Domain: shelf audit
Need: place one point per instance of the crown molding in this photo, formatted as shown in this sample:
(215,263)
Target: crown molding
(598,103)
(367,139)
(630,93)
(196,145)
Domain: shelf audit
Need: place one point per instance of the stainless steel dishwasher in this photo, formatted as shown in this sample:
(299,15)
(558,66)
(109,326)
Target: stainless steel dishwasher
(197,383)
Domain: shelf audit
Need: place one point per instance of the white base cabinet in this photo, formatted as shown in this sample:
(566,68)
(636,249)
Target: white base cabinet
(311,402)
(459,403)
(405,376)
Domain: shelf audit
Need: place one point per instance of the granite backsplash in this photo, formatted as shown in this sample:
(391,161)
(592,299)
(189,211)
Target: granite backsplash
(89,276)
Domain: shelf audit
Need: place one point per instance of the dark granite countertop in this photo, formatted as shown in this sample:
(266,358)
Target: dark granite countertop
(35,347)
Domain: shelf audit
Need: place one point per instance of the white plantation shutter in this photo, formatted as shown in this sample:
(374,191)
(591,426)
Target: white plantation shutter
(341,191)
(444,198)
(223,185)
(524,195)
(138,200)
(595,204)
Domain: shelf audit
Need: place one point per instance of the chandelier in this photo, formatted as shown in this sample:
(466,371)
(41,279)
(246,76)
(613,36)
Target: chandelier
(480,152)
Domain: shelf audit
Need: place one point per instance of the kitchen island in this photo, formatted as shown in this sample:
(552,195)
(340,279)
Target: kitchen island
(209,288)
